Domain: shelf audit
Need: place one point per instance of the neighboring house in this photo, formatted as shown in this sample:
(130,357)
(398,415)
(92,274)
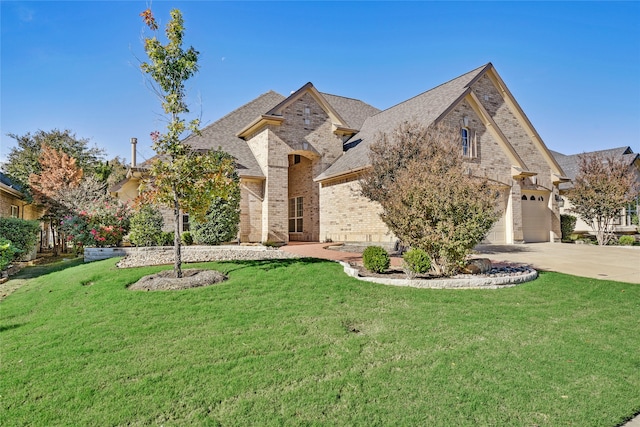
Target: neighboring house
(300,157)
(570,164)
(14,204)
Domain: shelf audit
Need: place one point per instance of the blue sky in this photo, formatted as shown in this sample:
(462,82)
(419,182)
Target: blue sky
(574,67)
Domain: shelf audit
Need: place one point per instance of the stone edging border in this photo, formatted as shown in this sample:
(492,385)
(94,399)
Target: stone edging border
(456,283)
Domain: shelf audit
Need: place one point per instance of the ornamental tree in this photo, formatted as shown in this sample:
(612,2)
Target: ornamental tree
(58,172)
(23,159)
(428,198)
(603,186)
(180,178)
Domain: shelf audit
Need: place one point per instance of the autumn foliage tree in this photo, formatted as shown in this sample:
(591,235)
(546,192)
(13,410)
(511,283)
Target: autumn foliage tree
(603,186)
(58,172)
(181,179)
(428,198)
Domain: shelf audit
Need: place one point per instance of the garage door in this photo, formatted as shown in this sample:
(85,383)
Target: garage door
(536,218)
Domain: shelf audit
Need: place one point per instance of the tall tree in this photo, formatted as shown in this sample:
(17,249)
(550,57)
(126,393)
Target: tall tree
(58,172)
(429,200)
(23,160)
(181,179)
(603,186)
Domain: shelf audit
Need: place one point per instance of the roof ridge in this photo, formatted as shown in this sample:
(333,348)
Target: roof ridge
(475,70)
(253,101)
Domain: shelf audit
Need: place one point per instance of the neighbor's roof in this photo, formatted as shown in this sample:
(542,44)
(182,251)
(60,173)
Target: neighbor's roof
(222,133)
(425,108)
(9,184)
(570,163)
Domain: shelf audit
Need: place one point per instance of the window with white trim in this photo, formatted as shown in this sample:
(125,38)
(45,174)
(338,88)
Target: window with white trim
(295,215)
(15,211)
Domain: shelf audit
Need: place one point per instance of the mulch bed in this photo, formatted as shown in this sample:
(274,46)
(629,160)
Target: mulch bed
(165,280)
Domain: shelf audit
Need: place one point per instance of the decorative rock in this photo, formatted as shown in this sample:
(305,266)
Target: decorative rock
(477,266)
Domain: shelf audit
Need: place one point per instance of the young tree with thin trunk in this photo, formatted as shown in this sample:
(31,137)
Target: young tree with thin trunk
(181,179)
(603,186)
(429,199)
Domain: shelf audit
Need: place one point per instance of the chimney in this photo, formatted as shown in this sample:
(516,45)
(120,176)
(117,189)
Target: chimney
(134,141)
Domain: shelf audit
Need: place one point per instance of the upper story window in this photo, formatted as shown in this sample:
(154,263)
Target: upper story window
(468,141)
(15,211)
(306,115)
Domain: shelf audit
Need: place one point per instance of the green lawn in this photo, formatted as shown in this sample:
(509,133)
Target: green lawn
(300,343)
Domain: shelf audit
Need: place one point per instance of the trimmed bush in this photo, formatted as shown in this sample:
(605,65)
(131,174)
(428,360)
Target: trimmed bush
(376,259)
(22,234)
(146,226)
(567,225)
(220,224)
(417,261)
(626,240)
(187,238)
(7,253)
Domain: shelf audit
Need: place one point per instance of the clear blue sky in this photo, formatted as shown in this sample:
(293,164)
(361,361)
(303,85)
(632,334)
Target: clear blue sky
(574,67)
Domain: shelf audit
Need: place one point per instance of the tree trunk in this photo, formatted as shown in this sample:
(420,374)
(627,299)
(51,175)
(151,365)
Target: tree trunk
(177,264)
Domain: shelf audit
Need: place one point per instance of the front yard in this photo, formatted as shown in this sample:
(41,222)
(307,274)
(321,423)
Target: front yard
(297,342)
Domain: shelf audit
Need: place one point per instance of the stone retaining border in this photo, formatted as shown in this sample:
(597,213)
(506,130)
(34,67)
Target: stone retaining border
(472,282)
(160,255)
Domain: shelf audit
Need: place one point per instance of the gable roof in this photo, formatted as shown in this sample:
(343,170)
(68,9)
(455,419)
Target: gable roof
(346,114)
(426,108)
(222,134)
(571,166)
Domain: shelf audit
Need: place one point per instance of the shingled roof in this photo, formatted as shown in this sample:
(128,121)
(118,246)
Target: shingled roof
(222,133)
(425,108)
(570,163)
(353,111)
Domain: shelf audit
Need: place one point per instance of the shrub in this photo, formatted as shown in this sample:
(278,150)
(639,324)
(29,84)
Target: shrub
(416,261)
(22,234)
(220,223)
(376,259)
(166,238)
(187,238)
(146,226)
(104,225)
(567,225)
(626,240)
(7,253)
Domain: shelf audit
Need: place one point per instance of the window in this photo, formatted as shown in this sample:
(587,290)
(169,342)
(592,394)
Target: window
(465,142)
(15,211)
(295,215)
(296,159)
(468,139)
(185,223)
(523,197)
(307,115)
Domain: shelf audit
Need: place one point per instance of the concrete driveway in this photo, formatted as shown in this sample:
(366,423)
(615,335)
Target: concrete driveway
(620,263)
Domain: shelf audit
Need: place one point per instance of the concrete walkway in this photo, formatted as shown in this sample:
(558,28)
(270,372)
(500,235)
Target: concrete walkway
(620,263)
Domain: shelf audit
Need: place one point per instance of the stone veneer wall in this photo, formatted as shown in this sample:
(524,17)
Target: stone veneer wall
(158,255)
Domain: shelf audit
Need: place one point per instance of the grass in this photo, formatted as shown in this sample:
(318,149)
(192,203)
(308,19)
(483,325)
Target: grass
(300,343)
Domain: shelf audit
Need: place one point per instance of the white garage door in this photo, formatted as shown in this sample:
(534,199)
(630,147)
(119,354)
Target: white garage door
(536,218)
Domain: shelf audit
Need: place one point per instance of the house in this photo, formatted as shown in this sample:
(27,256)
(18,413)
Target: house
(14,204)
(300,156)
(570,164)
